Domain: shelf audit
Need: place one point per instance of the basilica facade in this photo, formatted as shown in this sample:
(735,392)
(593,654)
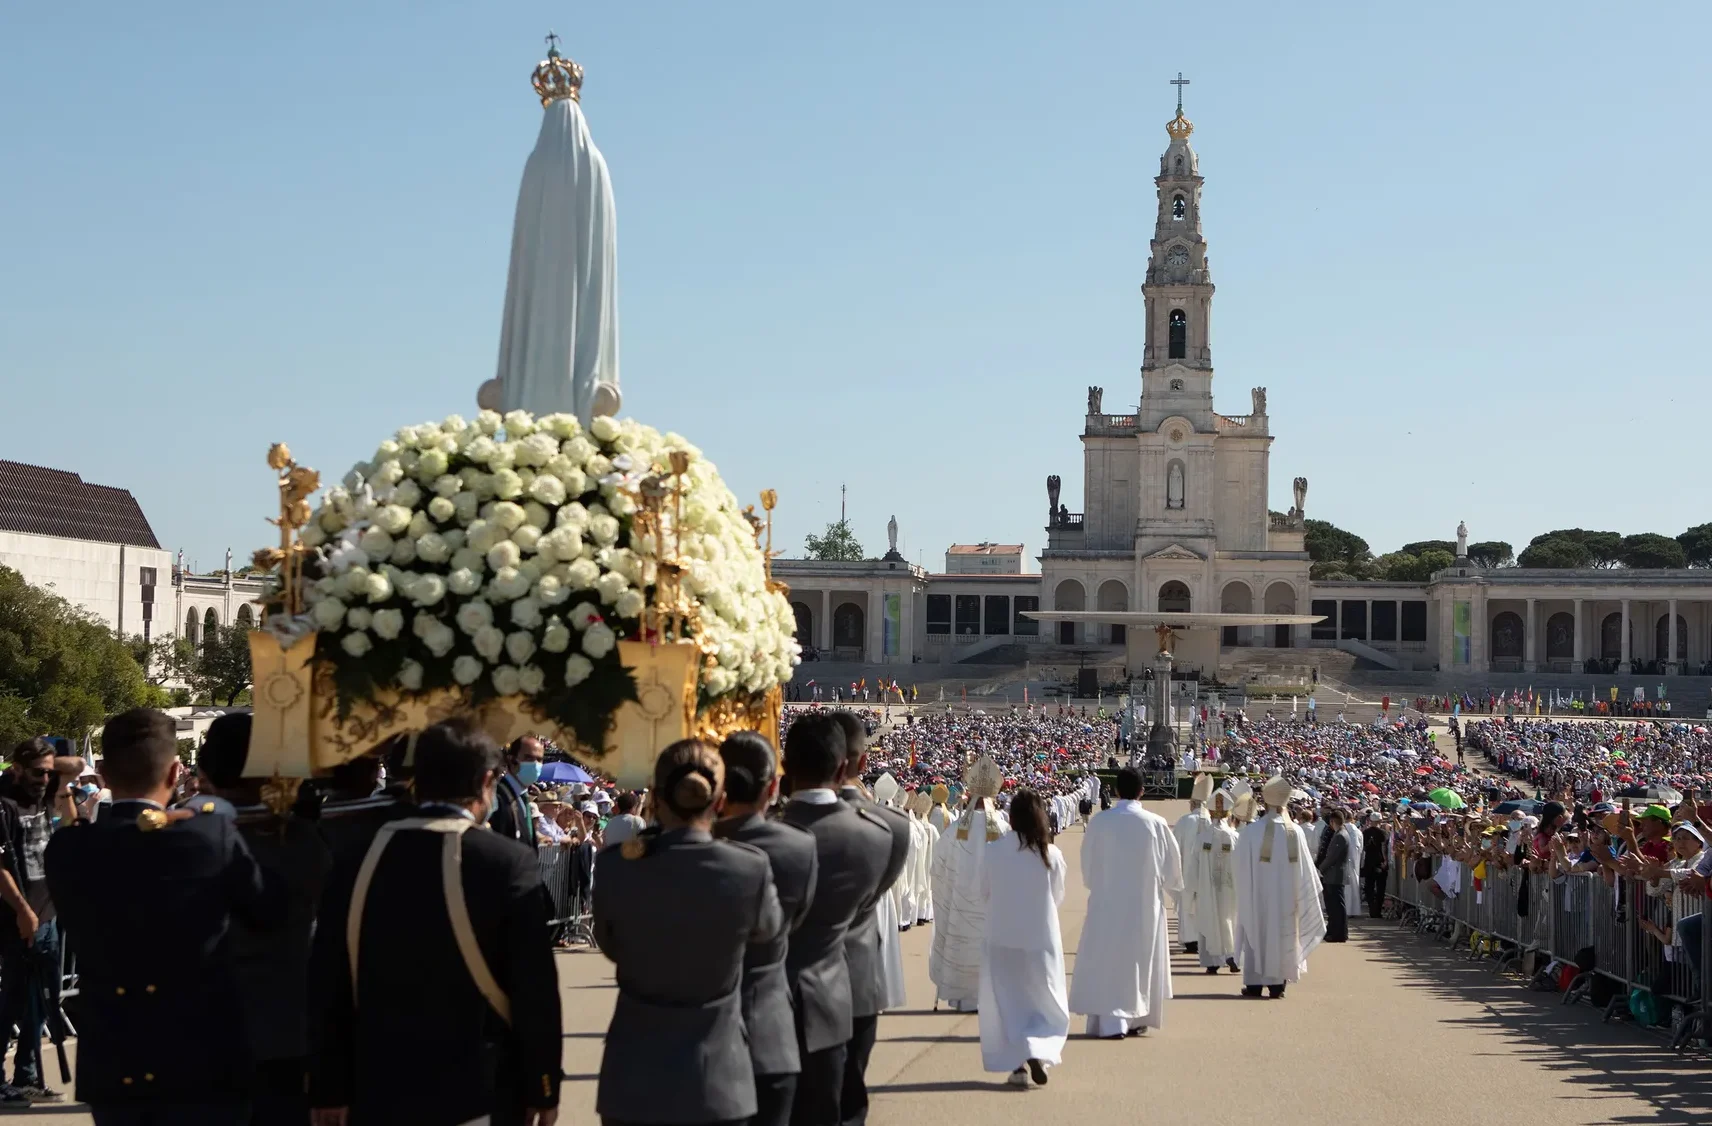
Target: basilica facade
(1175,512)
(1175,517)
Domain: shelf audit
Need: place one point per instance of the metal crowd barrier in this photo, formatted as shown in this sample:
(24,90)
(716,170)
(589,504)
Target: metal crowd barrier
(1576,928)
(572,919)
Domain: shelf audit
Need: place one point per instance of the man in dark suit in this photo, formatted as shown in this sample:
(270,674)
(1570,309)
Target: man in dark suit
(410,978)
(511,817)
(862,944)
(751,783)
(272,965)
(852,848)
(147,896)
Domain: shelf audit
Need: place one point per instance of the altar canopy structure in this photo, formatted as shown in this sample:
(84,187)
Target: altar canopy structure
(1195,637)
(558,345)
(1173,632)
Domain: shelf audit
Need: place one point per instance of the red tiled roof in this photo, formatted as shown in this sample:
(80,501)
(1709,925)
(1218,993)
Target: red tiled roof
(52,502)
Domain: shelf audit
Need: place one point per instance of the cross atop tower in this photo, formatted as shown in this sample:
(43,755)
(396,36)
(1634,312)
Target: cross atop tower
(553,49)
(1180,82)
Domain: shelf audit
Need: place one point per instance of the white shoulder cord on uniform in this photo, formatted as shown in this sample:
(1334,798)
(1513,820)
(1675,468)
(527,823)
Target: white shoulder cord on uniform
(452,886)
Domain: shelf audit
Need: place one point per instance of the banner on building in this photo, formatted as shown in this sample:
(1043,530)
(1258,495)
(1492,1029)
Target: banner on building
(1461,632)
(892,619)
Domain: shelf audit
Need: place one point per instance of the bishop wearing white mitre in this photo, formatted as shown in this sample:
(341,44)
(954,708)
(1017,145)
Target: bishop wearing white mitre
(1278,912)
(1130,863)
(1209,887)
(918,908)
(959,908)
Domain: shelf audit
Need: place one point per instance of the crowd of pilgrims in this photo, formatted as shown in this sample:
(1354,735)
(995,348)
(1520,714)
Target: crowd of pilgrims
(795,869)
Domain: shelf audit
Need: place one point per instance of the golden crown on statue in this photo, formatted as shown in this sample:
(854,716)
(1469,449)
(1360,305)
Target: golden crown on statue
(306,719)
(557,77)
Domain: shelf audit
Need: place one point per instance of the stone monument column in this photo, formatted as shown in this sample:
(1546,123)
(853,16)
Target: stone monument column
(1671,656)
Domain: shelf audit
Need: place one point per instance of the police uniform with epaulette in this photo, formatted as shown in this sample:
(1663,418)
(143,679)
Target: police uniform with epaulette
(862,951)
(677,911)
(853,850)
(767,1009)
(147,896)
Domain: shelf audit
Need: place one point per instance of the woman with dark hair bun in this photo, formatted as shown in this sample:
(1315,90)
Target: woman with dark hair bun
(676,910)
(1025,1008)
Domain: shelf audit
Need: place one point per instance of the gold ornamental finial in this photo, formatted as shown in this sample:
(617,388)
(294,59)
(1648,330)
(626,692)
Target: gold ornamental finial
(557,77)
(1179,127)
(296,484)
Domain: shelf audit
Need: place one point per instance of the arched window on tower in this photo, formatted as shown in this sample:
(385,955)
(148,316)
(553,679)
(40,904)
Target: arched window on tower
(1179,346)
(1179,166)
(1178,208)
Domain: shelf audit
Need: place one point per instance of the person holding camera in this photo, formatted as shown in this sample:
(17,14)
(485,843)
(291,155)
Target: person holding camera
(35,800)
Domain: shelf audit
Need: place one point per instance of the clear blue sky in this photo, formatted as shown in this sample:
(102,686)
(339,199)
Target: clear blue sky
(888,244)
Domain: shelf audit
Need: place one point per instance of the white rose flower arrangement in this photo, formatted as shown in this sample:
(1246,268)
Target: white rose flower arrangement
(498,557)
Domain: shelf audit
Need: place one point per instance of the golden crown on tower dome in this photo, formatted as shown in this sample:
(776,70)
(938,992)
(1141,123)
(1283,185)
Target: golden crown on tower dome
(1179,127)
(557,77)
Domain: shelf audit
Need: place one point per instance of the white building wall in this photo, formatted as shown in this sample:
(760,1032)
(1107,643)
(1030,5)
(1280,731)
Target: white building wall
(87,574)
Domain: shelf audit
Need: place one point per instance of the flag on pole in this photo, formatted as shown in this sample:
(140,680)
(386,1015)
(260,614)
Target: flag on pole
(912,754)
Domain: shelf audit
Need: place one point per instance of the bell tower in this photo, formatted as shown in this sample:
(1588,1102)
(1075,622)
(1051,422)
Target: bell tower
(1177,362)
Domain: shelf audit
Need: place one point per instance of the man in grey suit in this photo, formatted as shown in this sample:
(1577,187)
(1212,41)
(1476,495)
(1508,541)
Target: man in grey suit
(852,848)
(677,1052)
(862,943)
(751,783)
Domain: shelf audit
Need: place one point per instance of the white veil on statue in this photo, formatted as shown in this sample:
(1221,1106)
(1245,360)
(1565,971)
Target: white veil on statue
(558,343)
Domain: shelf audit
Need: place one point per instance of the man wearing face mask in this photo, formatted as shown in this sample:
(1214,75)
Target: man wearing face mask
(441,930)
(511,816)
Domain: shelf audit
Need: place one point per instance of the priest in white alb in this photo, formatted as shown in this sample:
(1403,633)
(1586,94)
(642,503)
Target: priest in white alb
(923,837)
(1185,830)
(1352,868)
(959,908)
(1280,919)
(888,917)
(1130,864)
(1025,1019)
(1209,887)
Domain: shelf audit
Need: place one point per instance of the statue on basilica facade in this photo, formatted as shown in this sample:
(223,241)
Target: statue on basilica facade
(1301,496)
(892,535)
(1053,484)
(1259,394)
(1461,539)
(1096,396)
(1174,485)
